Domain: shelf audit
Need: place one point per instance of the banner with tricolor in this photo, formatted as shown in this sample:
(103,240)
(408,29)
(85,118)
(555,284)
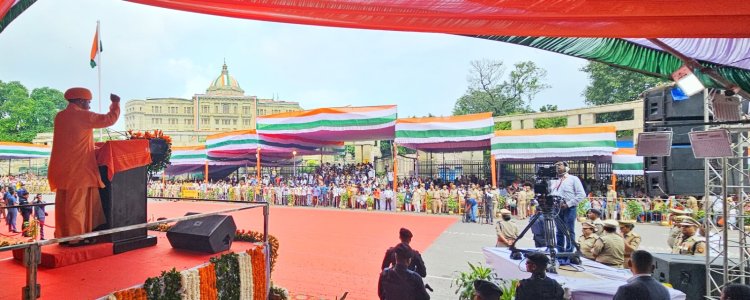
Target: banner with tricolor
(188,155)
(626,162)
(96,48)
(9,150)
(366,123)
(593,143)
(233,145)
(446,134)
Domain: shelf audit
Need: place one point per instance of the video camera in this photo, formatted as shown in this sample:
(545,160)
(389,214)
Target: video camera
(541,188)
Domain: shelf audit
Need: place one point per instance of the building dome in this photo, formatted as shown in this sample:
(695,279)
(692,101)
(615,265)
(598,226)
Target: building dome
(225,85)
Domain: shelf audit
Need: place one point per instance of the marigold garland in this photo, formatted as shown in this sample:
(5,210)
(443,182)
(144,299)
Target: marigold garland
(130,294)
(258,258)
(208,283)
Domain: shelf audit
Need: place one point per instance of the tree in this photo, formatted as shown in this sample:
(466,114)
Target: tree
(489,92)
(552,122)
(608,85)
(23,115)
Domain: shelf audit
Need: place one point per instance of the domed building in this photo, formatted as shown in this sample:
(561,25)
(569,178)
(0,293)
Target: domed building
(224,107)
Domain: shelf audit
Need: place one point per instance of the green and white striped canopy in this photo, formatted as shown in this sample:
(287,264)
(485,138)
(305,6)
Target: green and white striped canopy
(592,143)
(625,162)
(10,150)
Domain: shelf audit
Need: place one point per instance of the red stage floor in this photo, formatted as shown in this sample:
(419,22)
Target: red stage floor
(323,253)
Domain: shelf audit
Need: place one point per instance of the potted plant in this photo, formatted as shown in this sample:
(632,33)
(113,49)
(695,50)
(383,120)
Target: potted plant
(399,201)
(452,205)
(464,282)
(344,199)
(633,209)
(370,202)
(582,209)
(746,222)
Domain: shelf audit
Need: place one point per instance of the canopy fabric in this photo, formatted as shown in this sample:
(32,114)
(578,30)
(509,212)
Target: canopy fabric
(444,134)
(233,145)
(10,9)
(625,162)
(562,18)
(9,150)
(188,155)
(365,123)
(724,55)
(554,143)
(244,144)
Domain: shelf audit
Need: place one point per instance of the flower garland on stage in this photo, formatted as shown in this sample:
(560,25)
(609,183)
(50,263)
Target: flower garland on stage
(158,162)
(229,276)
(242,236)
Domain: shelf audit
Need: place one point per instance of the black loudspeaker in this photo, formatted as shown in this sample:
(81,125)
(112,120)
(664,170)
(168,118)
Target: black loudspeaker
(686,273)
(679,133)
(210,234)
(659,105)
(675,182)
(681,158)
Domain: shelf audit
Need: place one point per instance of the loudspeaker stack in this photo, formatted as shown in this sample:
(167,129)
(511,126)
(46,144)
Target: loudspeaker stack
(680,173)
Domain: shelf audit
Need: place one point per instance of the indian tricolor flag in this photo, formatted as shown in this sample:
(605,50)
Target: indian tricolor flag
(96,48)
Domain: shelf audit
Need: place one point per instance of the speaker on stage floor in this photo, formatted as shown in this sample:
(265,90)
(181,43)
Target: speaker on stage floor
(211,234)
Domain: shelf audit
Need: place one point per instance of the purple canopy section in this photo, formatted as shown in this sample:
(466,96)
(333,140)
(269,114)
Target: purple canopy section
(733,52)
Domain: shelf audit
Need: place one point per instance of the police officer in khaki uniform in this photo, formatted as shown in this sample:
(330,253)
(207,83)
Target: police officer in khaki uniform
(609,248)
(442,195)
(587,239)
(692,204)
(595,217)
(632,239)
(611,199)
(689,243)
(495,199)
(432,194)
(676,218)
(507,231)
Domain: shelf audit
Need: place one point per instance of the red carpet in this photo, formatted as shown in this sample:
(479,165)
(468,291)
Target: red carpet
(323,253)
(56,256)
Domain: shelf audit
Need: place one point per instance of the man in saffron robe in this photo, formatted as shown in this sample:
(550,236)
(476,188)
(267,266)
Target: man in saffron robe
(73,172)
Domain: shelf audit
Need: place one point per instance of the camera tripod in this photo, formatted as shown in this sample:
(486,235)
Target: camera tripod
(551,221)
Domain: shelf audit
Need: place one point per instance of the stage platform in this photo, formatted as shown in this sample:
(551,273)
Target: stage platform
(589,281)
(323,252)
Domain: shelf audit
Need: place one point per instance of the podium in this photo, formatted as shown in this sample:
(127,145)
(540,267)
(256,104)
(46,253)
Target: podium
(122,166)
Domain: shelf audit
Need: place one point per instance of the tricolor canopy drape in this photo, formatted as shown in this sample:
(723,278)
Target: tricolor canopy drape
(566,18)
(446,134)
(730,57)
(590,143)
(10,150)
(625,162)
(366,123)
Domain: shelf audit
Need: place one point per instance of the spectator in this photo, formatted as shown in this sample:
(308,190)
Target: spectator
(642,286)
(735,291)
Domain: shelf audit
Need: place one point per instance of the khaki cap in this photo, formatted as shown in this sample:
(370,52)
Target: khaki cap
(587,224)
(677,211)
(690,222)
(610,223)
(504,212)
(626,222)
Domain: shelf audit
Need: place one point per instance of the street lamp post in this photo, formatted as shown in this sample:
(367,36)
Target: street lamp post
(294,164)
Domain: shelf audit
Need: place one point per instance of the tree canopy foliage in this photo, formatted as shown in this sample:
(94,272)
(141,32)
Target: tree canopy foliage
(608,85)
(24,114)
(489,91)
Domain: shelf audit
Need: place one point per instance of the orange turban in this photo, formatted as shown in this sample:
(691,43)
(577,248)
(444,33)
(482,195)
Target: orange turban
(78,93)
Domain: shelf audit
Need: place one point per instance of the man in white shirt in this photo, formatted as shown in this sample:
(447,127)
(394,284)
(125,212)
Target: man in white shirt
(570,190)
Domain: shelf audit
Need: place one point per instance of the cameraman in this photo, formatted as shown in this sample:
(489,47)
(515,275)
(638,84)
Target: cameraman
(570,190)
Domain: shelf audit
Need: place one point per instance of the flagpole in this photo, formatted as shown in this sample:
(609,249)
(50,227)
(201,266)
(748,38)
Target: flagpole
(99,72)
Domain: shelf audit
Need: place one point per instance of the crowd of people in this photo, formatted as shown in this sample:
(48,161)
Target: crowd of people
(15,199)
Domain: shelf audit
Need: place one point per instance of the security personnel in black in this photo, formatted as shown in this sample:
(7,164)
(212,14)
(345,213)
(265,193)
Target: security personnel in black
(400,283)
(538,286)
(416,265)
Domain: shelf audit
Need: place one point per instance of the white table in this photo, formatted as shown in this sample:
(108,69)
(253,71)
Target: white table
(595,281)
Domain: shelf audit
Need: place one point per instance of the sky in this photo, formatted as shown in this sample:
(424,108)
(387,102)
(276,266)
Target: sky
(151,52)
